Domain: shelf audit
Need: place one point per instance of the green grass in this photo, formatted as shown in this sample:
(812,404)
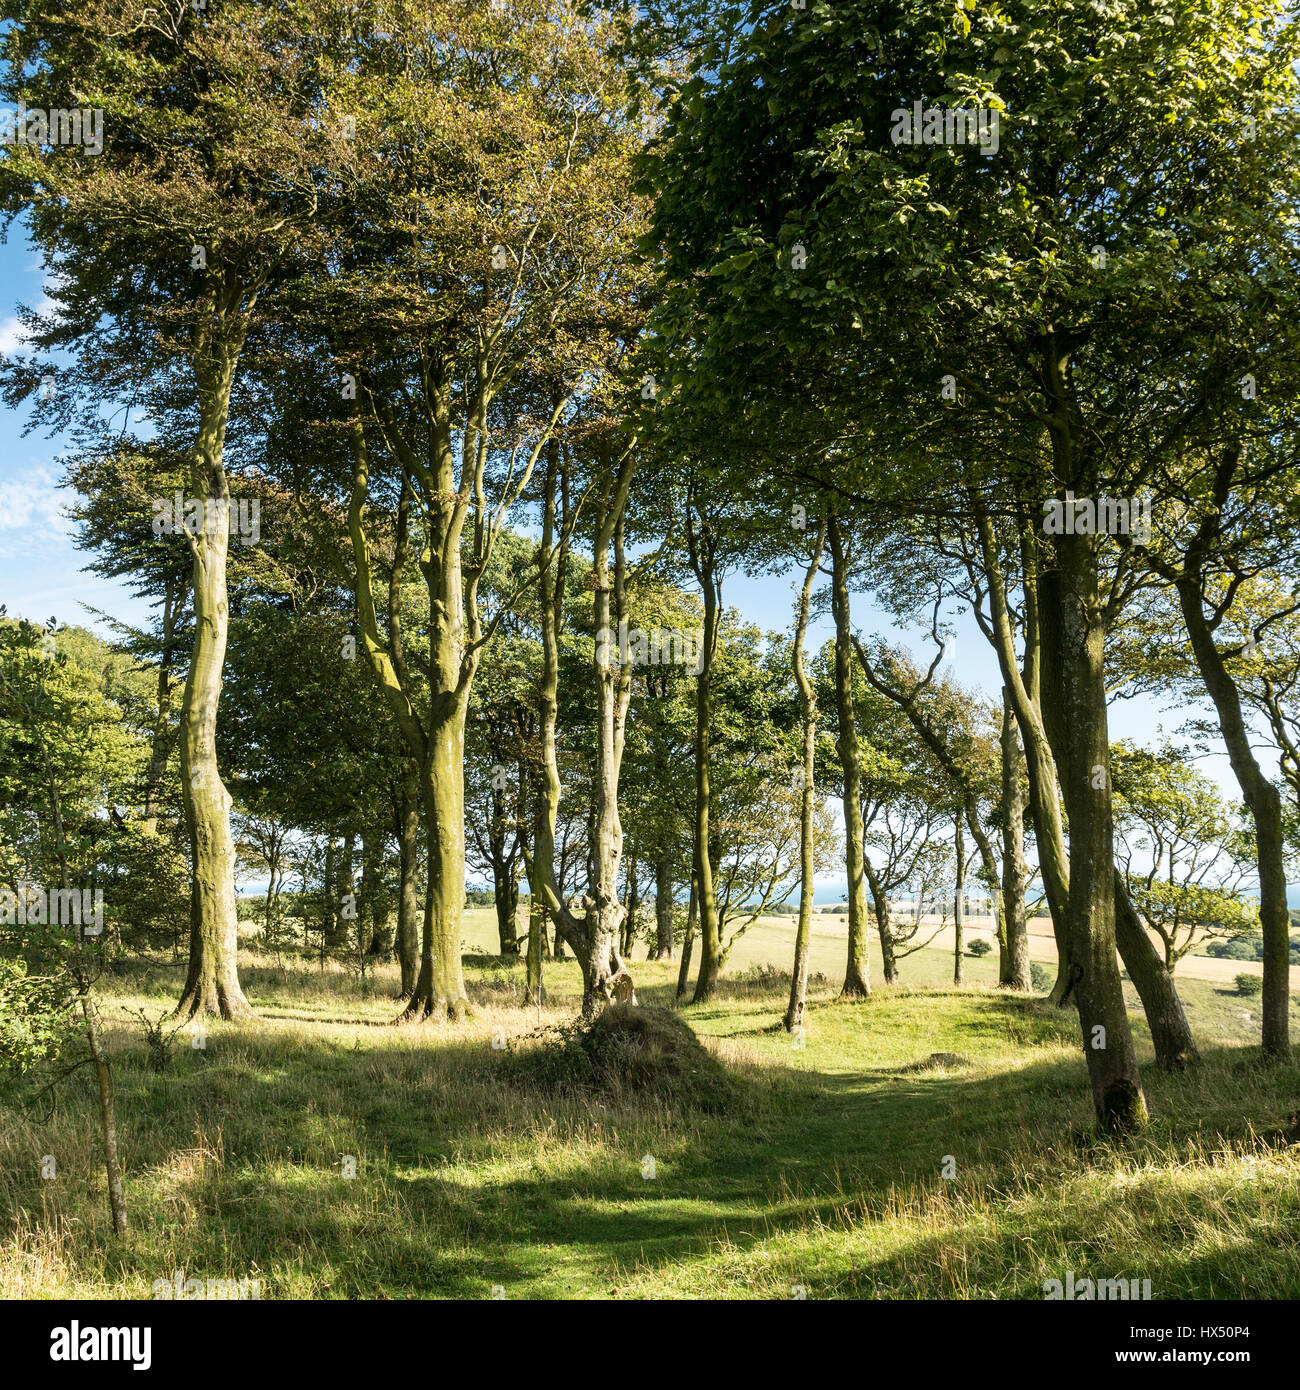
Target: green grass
(824,1172)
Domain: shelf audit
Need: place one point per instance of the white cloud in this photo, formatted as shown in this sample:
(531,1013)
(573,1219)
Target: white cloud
(12,337)
(31,509)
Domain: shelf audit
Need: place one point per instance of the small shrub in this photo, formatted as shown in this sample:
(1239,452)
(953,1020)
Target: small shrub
(1248,985)
(158,1039)
(978,947)
(938,1060)
(765,975)
(1041,977)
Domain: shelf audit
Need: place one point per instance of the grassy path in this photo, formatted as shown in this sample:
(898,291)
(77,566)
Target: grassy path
(825,1175)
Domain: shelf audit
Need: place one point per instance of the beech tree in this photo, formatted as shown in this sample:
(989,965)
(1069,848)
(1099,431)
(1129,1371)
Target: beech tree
(483,288)
(807,784)
(1043,344)
(205,211)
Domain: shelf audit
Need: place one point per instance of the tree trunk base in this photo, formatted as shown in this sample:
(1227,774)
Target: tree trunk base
(213,1001)
(704,989)
(855,987)
(1181,1061)
(1123,1109)
(424,1006)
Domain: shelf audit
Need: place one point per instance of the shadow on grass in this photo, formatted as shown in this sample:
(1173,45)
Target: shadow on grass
(235,1162)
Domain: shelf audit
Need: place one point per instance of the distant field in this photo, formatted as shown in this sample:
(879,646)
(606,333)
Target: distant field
(771,938)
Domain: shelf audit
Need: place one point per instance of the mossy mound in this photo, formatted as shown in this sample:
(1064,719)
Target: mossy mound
(938,1061)
(633,1052)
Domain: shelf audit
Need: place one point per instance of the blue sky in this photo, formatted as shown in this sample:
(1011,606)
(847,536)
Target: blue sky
(41,571)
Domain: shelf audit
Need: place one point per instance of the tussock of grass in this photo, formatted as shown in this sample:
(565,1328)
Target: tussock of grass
(940,1061)
(629,1054)
(822,1167)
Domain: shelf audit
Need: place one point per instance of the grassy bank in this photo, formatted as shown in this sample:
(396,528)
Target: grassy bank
(822,1172)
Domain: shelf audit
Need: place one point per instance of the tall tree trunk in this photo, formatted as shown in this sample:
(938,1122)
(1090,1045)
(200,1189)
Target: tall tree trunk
(663,947)
(857,974)
(161,743)
(880,902)
(798,1005)
(371,907)
(595,936)
(107,1117)
(383,933)
(1265,807)
(1170,1033)
(1014,967)
(534,990)
(212,980)
(1025,690)
(439,746)
(329,903)
(343,898)
(505,901)
(602,961)
(440,986)
(408,905)
(633,903)
(1094,972)
(702,870)
(688,944)
(959,902)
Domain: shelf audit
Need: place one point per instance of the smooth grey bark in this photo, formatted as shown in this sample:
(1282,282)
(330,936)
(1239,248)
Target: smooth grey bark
(1014,971)
(857,974)
(594,934)
(107,1114)
(1170,1032)
(688,944)
(1260,795)
(1094,970)
(408,906)
(708,573)
(663,947)
(797,1007)
(959,901)
(212,980)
